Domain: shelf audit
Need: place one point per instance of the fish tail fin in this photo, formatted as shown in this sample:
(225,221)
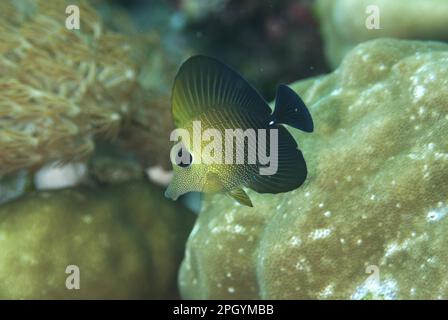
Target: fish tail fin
(291,110)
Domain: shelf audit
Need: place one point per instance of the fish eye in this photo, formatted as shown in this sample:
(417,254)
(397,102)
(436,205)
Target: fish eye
(180,159)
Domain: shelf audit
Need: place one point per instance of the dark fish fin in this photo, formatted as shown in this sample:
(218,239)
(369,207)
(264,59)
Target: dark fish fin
(291,110)
(240,196)
(291,168)
(203,83)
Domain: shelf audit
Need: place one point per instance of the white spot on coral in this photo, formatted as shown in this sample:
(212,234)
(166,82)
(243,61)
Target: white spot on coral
(440,156)
(327,292)
(421,111)
(320,233)
(230,216)
(129,74)
(54,176)
(327,214)
(419,92)
(431,260)
(295,241)
(87,219)
(303,265)
(431,146)
(114,117)
(336,92)
(231,289)
(239,229)
(391,249)
(436,214)
(415,156)
(386,290)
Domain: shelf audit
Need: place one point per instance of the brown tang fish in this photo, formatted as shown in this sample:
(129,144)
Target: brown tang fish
(228,138)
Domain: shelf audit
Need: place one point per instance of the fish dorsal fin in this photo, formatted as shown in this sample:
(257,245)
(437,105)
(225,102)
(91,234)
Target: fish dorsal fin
(203,83)
(291,110)
(291,168)
(240,196)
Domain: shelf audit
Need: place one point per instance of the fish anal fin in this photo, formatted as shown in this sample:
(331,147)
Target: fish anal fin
(240,196)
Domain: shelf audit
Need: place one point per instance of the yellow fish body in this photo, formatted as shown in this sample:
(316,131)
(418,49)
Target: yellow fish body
(228,136)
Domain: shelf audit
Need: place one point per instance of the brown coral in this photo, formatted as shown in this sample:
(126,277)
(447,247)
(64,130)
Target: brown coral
(59,88)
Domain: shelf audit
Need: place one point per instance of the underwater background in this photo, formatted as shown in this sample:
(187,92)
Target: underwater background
(85,120)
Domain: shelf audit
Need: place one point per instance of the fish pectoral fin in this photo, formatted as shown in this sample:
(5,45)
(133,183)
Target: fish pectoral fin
(240,196)
(212,183)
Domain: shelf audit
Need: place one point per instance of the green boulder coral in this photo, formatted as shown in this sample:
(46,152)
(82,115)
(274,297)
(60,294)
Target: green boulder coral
(376,199)
(343,22)
(127,241)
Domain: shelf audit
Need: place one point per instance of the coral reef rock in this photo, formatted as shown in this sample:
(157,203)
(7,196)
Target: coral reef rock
(371,221)
(13,186)
(344,22)
(127,241)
